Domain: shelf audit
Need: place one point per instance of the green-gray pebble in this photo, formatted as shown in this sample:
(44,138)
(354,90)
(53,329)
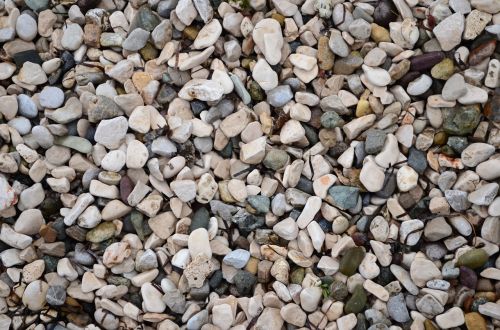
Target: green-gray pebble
(473,259)
(276,159)
(331,119)
(351,260)
(260,203)
(357,302)
(74,142)
(344,197)
(102,232)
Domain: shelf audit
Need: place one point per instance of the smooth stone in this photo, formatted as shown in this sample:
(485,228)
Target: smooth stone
(449,31)
(268,37)
(237,258)
(396,306)
(474,258)
(264,75)
(27,106)
(351,260)
(420,85)
(344,197)
(454,317)
(357,302)
(279,96)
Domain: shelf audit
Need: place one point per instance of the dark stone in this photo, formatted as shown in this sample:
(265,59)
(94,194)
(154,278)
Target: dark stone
(197,107)
(389,187)
(59,227)
(331,119)
(54,77)
(357,302)
(421,210)
(468,277)
(256,92)
(474,258)
(478,302)
(126,187)
(247,222)
(375,139)
(360,239)
(325,225)
(361,324)
(166,94)
(426,61)
(200,293)
(68,61)
(141,227)
(85,5)
(244,282)
(103,108)
(165,7)
(216,279)
(479,53)
(50,263)
(260,203)
(56,295)
(338,149)
(145,19)
(463,120)
(457,143)
(227,151)
(50,208)
(417,160)
(305,185)
(27,56)
(359,154)
(363,224)
(408,78)
(385,12)
(351,260)
(338,290)
(311,134)
(200,219)
(385,277)
(344,197)
(492,108)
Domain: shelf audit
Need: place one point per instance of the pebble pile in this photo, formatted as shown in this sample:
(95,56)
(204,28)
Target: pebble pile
(250,164)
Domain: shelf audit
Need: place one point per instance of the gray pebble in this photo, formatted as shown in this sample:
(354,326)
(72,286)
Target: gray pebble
(26,106)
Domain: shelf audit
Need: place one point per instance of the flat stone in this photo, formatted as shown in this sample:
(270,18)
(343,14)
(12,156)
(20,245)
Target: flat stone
(449,31)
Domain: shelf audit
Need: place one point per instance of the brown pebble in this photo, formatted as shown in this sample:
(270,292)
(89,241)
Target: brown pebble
(478,54)
(474,321)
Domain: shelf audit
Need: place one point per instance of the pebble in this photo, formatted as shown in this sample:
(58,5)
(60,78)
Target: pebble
(72,37)
(396,307)
(26,27)
(237,258)
(454,317)
(268,37)
(420,85)
(449,31)
(211,154)
(264,75)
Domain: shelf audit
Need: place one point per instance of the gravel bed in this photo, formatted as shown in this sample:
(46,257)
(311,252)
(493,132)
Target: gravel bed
(249,165)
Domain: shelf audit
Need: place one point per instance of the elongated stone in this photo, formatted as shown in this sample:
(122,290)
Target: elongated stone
(425,61)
